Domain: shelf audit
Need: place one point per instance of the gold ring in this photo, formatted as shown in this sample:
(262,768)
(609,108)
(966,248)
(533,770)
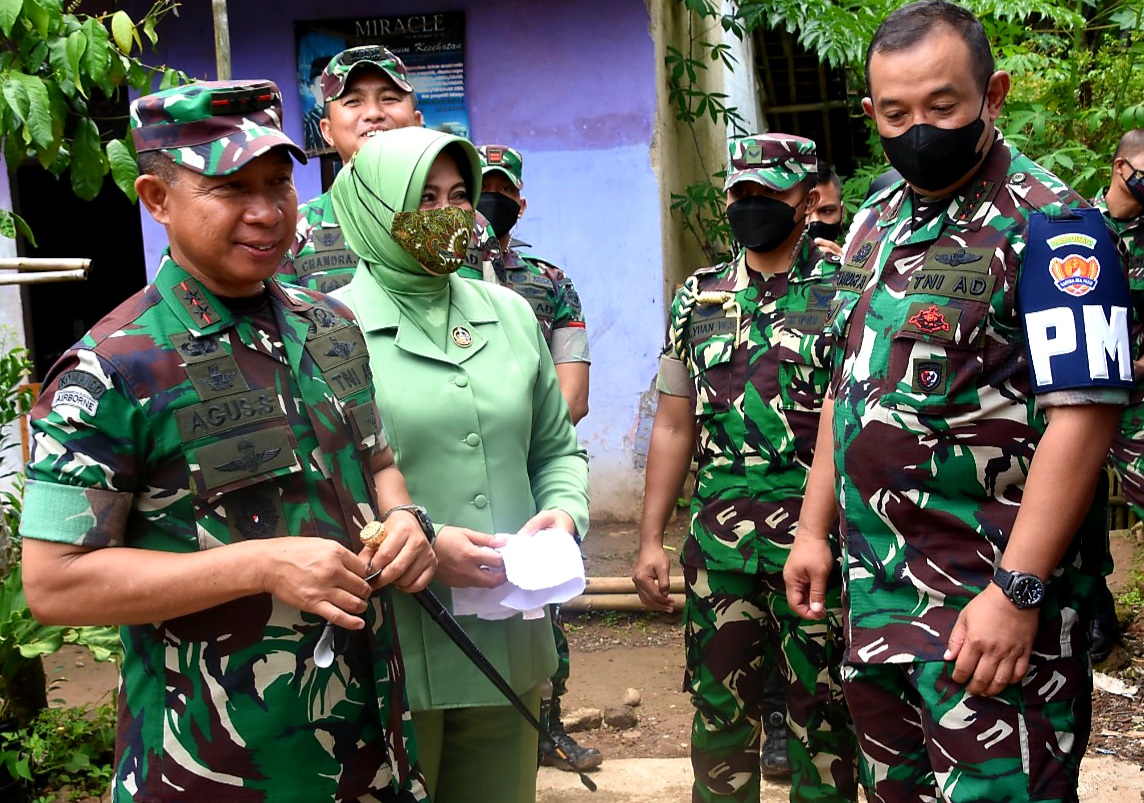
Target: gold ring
(373,534)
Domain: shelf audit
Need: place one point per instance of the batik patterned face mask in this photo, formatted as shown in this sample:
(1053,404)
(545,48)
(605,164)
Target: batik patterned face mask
(437,238)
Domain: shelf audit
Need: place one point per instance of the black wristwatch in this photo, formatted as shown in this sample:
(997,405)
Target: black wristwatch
(422,516)
(1023,590)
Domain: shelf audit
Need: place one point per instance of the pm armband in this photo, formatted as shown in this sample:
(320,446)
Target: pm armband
(1074,303)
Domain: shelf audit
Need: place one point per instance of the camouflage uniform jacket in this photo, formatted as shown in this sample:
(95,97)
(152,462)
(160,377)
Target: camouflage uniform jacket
(177,425)
(553,298)
(751,351)
(935,422)
(322,261)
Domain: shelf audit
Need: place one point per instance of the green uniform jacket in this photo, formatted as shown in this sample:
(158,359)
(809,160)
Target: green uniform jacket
(483,437)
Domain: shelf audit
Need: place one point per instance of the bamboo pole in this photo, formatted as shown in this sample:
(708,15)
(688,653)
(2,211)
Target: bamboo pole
(44,277)
(222,40)
(623,585)
(613,602)
(45,263)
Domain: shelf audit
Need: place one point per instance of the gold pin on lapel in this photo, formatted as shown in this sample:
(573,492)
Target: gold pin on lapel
(462,337)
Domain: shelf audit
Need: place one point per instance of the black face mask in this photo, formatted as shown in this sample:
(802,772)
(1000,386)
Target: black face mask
(821,230)
(932,158)
(501,211)
(760,223)
(1135,183)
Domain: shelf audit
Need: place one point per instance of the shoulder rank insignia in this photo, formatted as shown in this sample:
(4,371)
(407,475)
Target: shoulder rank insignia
(958,258)
(190,295)
(249,459)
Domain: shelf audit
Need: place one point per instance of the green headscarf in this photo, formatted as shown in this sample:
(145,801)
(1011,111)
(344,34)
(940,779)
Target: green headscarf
(391,169)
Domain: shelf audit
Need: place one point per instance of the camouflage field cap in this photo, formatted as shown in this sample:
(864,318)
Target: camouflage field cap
(778,161)
(212,127)
(503,158)
(374,57)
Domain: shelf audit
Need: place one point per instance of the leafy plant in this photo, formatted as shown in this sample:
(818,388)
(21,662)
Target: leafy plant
(23,687)
(63,747)
(1076,67)
(56,67)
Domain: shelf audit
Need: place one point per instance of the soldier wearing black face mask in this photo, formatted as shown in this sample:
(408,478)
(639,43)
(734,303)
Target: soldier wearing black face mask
(981,360)
(826,220)
(741,383)
(1123,207)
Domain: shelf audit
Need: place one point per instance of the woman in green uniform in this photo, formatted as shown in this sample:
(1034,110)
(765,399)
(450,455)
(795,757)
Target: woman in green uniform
(472,408)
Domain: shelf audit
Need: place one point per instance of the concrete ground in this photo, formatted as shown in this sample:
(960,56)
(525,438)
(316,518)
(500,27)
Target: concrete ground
(668,780)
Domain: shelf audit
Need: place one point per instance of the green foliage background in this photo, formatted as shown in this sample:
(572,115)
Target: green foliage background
(56,65)
(1077,68)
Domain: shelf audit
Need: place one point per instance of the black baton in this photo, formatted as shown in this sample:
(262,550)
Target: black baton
(453,630)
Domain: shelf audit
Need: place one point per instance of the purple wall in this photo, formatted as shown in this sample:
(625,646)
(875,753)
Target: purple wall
(573,88)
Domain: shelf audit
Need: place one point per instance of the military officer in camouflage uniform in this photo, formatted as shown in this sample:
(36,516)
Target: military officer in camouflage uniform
(981,360)
(1122,204)
(741,382)
(826,223)
(365,91)
(204,460)
(557,306)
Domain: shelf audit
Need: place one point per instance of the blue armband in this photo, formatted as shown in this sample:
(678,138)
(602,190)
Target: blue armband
(1073,299)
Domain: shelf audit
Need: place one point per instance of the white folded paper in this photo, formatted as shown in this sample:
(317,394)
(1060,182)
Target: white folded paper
(543,568)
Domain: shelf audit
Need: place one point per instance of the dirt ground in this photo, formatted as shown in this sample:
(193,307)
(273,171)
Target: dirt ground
(612,652)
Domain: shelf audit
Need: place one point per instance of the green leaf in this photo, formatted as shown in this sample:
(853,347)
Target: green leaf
(172,78)
(7,224)
(16,96)
(123,30)
(9,11)
(149,29)
(87,165)
(123,168)
(94,60)
(39,119)
(76,45)
(37,15)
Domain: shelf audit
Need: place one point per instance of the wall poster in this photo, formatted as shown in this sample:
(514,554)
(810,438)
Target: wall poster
(431,45)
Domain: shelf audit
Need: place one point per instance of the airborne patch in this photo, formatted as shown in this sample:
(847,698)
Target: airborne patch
(79,389)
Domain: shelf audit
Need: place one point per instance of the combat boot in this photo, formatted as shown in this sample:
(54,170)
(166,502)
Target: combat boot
(774,762)
(1104,629)
(579,758)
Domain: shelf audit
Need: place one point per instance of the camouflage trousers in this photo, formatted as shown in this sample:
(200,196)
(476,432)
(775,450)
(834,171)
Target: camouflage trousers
(924,738)
(560,676)
(735,625)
